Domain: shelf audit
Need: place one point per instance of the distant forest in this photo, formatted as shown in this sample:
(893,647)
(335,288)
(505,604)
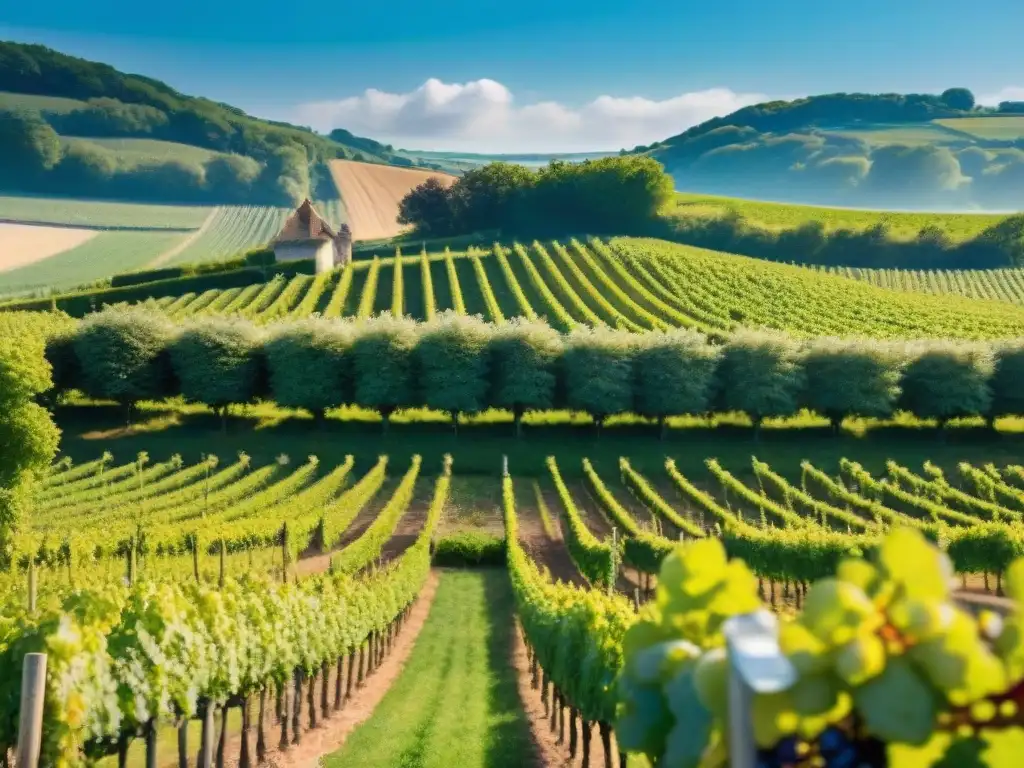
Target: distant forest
(853,149)
(262,162)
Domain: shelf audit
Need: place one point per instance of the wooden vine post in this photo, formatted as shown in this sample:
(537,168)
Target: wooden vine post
(30,722)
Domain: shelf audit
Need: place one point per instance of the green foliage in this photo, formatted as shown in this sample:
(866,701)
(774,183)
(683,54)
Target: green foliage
(309,364)
(122,353)
(945,380)
(612,194)
(524,355)
(760,375)
(851,378)
(383,363)
(28,437)
(469,549)
(1007,380)
(675,373)
(217,361)
(598,370)
(452,363)
(958,98)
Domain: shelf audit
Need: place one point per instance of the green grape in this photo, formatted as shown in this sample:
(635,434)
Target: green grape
(908,559)
(858,572)
(897,705)
(807,653)
(662,660)
(835,610)
(860,659)
(774,717)
(643,720)
(711,679)
(691,572)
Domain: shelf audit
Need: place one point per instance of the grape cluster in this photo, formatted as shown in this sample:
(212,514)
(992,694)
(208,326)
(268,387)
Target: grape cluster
(881,645)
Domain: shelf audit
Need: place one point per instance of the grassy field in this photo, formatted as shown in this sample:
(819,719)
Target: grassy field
(455,702)
(779,216)
(104,255)
(56,104)
(911,134)
(101,214)
(1000,128)
(133,152)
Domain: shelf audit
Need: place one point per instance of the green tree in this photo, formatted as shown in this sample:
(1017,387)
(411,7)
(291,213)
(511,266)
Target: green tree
(452,363)
(309,364)
(429,208)
(598,370)
(944,380)
(675,374)
(958,98)
(122,353)
(760,375)
(217,362)
(851,377)
(28,146)
(383,358)
(28,436)
(524,359)
(1008,379)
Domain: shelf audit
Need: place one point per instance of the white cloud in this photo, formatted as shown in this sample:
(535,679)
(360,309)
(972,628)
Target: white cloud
(1009,93)
(482,116)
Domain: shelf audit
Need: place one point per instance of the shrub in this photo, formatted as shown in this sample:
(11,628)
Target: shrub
(524,356)
(217,362)
(675,374)
(452,365)
(851,377)
(598,371)
(469,549)
(122,353)
(309,365)
(760,375)
(383,364)
(945,380)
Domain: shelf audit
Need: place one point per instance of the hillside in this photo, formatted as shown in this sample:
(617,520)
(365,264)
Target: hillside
(901,151)
(634,284)
(74,127)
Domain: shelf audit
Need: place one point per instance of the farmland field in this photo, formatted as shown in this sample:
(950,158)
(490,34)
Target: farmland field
(910,134)
(780,216)
(24,244)
(994,284)
(1000,128)
(103,255)
(100,214)
(57,104)
(628,283)
(133,152)
(230,231)
(371,194)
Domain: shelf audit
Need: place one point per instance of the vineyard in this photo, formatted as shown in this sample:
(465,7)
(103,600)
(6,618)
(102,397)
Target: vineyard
(306,572)
(992,284)
(625,283)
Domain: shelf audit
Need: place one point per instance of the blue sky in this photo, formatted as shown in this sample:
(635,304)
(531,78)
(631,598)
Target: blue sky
(533,74)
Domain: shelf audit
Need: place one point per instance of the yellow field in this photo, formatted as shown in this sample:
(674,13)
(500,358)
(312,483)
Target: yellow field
(371,194)
(24,244)
(1001,128)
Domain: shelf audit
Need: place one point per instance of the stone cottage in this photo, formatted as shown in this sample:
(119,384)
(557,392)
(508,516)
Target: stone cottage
(305,235)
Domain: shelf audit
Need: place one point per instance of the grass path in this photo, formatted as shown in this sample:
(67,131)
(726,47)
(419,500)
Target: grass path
(456,702)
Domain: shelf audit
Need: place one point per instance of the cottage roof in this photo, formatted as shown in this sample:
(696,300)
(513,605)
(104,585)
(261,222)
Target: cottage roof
(305,224)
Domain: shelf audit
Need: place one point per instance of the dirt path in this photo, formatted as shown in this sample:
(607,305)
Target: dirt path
(545,551)
(24,244)
(170,253)
(412,522)
(331,733)
(551,751)
(372,192)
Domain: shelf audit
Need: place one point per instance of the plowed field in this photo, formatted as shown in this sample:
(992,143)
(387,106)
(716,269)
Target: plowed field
(22,244)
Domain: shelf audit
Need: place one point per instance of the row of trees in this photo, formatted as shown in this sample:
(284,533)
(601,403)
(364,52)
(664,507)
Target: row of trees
(460,364)
(1000,245)
(615,194)
(33,159)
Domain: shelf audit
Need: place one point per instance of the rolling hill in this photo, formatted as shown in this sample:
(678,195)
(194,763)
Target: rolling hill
(897,151)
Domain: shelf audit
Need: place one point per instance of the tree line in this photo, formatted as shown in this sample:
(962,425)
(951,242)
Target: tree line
(462,365)
(33,159)
(618,195)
